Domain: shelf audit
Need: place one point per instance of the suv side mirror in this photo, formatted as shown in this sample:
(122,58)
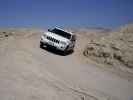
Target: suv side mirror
(73,38)
(49,30)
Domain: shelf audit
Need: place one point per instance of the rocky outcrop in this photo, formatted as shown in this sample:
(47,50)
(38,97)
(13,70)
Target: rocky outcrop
(5,34)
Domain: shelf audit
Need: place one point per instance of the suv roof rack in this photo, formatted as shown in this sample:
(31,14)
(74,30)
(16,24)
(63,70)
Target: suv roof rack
(62,30)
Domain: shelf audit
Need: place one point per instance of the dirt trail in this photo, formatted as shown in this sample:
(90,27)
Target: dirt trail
(30,73)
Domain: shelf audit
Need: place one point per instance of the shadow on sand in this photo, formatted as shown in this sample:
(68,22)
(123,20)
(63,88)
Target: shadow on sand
(57,52)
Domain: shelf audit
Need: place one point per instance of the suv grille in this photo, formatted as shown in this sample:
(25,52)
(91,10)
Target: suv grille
(53,39)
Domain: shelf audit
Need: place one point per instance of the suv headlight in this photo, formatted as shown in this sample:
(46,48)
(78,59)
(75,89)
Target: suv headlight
(63,43)
(45,35)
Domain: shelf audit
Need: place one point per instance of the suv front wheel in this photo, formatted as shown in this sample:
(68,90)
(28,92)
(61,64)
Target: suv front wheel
(41,45)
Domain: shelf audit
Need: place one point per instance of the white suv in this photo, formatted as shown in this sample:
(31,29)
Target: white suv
(59,39)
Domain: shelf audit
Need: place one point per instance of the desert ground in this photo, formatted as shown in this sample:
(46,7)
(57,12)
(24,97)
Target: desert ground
(28,72)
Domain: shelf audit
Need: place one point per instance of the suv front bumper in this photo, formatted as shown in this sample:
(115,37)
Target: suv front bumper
(48,43)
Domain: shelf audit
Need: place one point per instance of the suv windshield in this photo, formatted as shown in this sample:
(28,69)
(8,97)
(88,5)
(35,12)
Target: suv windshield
(61,33)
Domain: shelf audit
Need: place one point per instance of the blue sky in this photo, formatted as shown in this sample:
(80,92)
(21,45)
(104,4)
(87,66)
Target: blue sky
(68,13)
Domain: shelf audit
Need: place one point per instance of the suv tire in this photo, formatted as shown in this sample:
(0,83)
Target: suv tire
(41,45)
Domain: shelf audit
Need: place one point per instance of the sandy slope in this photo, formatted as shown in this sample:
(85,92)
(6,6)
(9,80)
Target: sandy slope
(30,73)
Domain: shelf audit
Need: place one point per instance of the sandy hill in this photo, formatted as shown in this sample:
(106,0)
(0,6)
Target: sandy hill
(114,49)
(28,72)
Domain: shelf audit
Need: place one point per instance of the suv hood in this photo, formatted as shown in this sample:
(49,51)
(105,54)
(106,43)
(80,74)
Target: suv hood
(58,37)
